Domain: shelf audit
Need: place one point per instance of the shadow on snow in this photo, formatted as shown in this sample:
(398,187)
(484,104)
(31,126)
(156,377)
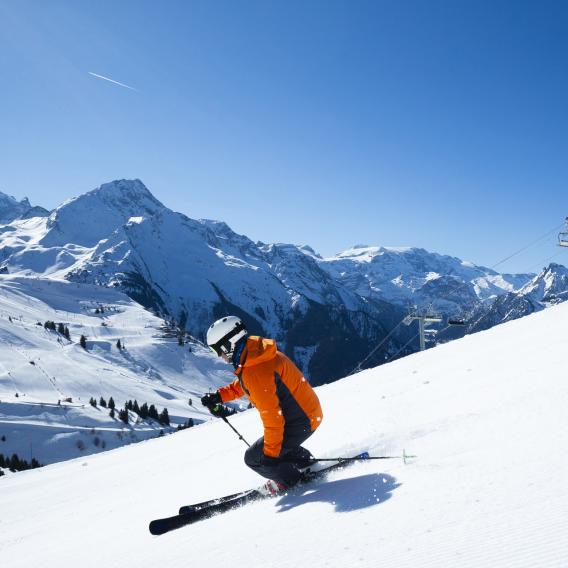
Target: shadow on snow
(345,495)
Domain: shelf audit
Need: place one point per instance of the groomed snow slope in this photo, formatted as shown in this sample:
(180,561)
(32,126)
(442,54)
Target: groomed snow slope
(486,416)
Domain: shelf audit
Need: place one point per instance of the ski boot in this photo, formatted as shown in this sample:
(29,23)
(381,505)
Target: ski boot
(273,488)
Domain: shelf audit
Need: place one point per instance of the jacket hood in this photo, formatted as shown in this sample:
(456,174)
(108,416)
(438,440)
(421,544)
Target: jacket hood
(258,350)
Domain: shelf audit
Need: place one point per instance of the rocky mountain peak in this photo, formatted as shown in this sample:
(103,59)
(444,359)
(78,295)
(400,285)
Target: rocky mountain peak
(88,218)
(11,209)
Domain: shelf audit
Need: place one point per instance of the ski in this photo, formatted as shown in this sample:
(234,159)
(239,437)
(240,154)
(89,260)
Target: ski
(250,494)
(213,502)
(189,514)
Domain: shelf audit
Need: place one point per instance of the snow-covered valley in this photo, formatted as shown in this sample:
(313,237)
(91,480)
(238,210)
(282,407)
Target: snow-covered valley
(484,414)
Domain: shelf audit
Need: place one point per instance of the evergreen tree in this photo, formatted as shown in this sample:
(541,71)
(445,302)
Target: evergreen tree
(97,311)
(83,342)
(135,407)
(67,334)
(102,402)
(164,417)
(152,412)
(129,405)
(144,411)
(111,413)
(93,402)
(118,344)
(61,329)
(111,403)
(15,464)
(123,415)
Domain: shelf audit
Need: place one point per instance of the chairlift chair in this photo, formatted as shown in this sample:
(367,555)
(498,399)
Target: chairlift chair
(563,236)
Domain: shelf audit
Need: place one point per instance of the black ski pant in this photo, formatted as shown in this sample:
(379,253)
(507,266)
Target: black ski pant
(284,468)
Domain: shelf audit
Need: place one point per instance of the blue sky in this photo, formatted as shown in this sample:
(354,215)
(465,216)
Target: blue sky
(439,124)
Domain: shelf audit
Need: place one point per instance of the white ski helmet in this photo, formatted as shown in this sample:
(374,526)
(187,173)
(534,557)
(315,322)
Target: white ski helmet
(224,334)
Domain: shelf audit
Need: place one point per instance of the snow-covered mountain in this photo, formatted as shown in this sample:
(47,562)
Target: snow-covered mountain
(47,379)
(119,235)
(12,209)
(548,288)
(486,416)
(327,313)
(414,276)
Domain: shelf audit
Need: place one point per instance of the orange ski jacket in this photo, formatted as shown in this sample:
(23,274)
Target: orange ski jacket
(277,388)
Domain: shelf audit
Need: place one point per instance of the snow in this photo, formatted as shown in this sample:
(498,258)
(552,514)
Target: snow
(404,275)
(11,209)
(120,236)
(39,369)
(485,415)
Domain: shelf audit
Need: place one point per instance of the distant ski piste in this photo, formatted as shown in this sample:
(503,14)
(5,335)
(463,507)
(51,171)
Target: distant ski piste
(47,381)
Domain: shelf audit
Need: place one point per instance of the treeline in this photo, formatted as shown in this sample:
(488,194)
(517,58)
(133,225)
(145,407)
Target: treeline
(145,411)
(17,464)
(59,328)
(189,424)
(104,309)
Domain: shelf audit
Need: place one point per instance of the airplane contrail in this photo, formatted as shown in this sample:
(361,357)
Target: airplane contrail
(111,80)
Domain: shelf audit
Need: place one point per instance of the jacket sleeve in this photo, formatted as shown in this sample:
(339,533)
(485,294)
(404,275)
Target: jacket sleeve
(232,391)
(263,391)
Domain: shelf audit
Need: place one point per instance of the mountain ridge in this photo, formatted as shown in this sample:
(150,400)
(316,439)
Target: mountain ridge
(11,209)
(328,313)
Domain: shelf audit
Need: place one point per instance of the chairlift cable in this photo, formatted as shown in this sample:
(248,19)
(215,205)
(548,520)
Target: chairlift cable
(528,246)
(402,348)
(547,234)
(358,367)
(545,261)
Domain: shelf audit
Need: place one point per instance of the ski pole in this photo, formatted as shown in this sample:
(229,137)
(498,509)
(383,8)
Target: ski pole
(403,457)
(220,411)
(235,430)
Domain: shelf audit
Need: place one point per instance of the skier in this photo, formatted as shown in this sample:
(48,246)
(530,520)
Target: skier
(288,406)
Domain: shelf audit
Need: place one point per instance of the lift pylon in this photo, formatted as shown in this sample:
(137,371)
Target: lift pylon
(423,319)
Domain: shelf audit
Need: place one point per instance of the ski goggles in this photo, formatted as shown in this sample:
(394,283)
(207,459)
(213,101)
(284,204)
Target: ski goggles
(223,346)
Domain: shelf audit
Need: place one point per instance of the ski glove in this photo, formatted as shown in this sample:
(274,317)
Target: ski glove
(213,403)
(211,399)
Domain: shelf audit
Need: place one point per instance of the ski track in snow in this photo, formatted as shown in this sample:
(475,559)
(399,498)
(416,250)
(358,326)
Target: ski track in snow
(486,416)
